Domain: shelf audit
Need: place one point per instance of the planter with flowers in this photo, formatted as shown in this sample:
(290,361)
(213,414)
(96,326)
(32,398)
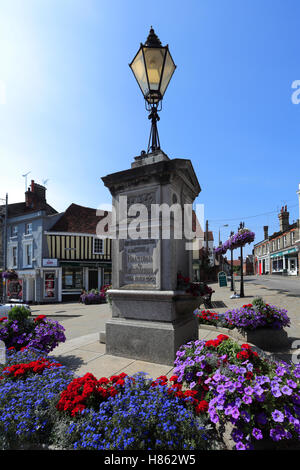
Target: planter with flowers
(201,293)
(19,330)
(261,324)
(9,274)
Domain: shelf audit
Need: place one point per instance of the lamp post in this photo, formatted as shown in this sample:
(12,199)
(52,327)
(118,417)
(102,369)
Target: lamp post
(5,245)
(242,225)
(226,225)
(231,265)
(153,68)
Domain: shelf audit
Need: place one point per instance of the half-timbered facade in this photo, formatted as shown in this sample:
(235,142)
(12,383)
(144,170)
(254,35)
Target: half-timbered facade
(78,257)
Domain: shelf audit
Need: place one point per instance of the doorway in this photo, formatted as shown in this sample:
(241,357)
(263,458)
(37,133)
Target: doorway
(93,279)
(292,267)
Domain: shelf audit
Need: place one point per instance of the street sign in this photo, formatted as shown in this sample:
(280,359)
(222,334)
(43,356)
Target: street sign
(222,279)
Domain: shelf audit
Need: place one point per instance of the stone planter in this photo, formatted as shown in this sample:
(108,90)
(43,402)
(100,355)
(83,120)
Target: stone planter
(267,339)
(186,303)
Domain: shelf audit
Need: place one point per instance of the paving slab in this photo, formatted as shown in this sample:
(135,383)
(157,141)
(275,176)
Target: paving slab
(153,370)
(105,366)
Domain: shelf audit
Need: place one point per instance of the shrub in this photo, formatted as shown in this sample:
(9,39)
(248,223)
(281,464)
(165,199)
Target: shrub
(18,313)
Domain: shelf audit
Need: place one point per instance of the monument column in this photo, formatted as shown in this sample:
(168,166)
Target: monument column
(151,318)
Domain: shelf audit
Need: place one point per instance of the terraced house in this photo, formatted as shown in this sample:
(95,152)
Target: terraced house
(278,254)
(78,258)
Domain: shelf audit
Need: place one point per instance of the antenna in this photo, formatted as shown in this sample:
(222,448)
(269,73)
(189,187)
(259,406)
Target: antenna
(45,182)
(25,176)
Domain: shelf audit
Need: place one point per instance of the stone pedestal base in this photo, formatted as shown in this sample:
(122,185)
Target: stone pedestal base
(148,341)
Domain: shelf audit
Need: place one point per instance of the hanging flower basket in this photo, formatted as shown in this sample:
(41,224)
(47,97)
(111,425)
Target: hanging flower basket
(241,238)
(9,274)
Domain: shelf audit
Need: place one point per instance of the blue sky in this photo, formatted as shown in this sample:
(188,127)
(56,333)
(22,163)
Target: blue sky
(71,110)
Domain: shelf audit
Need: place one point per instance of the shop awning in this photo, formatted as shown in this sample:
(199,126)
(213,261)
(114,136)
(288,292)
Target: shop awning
(284,253)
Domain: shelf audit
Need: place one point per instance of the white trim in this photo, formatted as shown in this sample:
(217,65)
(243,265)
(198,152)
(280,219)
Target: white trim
(102,237)
(98,252)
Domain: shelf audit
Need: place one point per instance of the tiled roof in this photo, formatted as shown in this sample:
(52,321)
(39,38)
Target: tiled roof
(19,208)
(79,219)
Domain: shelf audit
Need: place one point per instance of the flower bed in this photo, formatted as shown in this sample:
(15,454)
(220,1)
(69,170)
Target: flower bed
(216,383)
(259,398)
(119,412)
(19,330)
(95,296)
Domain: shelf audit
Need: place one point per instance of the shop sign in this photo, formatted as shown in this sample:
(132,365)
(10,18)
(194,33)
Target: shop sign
(50,263)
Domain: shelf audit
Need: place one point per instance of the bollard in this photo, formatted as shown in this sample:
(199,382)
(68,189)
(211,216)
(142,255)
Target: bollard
(2,353)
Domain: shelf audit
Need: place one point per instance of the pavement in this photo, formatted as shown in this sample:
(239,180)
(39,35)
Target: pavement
(82,352)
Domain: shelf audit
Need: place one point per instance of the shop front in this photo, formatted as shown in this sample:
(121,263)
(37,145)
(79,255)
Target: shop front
(285,262)
(78,276)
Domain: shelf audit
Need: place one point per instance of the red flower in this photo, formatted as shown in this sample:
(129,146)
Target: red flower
(202,407)
(40,318)
(3,319)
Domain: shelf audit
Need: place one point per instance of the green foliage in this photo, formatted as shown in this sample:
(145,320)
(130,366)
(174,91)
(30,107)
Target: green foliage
(19,313)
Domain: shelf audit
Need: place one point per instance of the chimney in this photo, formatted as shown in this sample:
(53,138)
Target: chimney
(35,197)
(266,228)
(284,219)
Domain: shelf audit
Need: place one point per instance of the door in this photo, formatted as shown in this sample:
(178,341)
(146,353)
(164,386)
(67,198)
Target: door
(93,279)
(292,267)
(30,294)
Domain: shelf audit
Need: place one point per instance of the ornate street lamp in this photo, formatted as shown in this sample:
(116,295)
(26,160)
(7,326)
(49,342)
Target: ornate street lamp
(153,68)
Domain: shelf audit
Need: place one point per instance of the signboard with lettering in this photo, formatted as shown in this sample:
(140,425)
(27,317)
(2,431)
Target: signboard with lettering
(138,263)
(47,262)
(222,279)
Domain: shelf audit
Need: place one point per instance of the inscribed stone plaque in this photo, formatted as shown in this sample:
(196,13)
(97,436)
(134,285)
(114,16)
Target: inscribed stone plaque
(138,267)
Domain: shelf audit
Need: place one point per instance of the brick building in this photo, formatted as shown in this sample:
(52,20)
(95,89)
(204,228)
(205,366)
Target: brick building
(278,254)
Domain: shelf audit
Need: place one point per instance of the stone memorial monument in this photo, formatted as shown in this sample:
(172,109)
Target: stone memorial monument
(151,318)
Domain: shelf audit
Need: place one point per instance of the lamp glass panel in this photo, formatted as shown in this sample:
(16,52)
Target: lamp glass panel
(168,72)
(138,68)
(154,58)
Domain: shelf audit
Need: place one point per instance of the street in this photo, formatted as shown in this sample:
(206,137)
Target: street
(282,284)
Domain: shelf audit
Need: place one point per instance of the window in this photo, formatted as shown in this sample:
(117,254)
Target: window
(14,256)
(268,248)
(72,278)
(278,244)
(284,241)
(49,284)
(98,246)
(28,229)
(292,238)
(14,230)
(273,246)
(27,255)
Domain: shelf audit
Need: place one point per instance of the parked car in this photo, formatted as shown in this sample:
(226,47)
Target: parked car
(5,308)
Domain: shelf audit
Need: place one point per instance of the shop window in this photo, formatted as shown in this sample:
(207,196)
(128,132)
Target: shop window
(49,285)
(72,278)
(107,278)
